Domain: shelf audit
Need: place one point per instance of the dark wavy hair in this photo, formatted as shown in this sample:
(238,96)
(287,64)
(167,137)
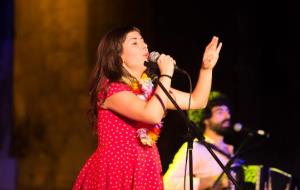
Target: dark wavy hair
(108,67)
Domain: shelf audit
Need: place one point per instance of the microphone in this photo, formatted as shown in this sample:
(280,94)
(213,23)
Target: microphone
(238,127)
(153,57)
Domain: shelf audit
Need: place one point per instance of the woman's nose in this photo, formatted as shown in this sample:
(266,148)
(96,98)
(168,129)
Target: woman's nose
(144,45)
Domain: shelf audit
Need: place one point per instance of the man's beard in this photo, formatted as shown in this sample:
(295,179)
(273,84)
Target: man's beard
(219,129)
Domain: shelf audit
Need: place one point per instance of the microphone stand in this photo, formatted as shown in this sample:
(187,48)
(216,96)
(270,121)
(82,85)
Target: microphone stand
(231,161)
(194,130)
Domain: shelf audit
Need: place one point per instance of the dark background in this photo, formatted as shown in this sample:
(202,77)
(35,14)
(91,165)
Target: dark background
(257,68)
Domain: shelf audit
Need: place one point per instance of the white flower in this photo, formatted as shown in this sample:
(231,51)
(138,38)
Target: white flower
(144,137)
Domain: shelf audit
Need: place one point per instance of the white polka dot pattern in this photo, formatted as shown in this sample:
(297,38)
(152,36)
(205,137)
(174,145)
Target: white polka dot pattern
(120,162)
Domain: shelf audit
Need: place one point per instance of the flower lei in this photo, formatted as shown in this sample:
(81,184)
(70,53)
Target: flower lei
(144,90)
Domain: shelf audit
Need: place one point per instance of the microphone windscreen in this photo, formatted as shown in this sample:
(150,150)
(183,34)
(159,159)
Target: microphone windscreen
(153,56)
(237,127)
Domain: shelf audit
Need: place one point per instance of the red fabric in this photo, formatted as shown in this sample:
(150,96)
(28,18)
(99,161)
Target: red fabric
(120,162)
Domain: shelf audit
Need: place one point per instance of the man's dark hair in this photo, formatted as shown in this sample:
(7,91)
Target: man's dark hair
(216,98)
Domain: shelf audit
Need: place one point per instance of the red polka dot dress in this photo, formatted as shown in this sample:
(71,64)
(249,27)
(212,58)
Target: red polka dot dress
(121,161)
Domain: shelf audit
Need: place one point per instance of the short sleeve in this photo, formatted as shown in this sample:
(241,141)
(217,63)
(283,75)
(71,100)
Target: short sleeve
(116,87)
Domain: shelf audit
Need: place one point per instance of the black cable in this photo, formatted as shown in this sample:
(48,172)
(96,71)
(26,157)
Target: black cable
(189,107)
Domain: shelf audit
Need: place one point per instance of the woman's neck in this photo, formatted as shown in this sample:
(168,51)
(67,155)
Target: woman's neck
(136,74)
